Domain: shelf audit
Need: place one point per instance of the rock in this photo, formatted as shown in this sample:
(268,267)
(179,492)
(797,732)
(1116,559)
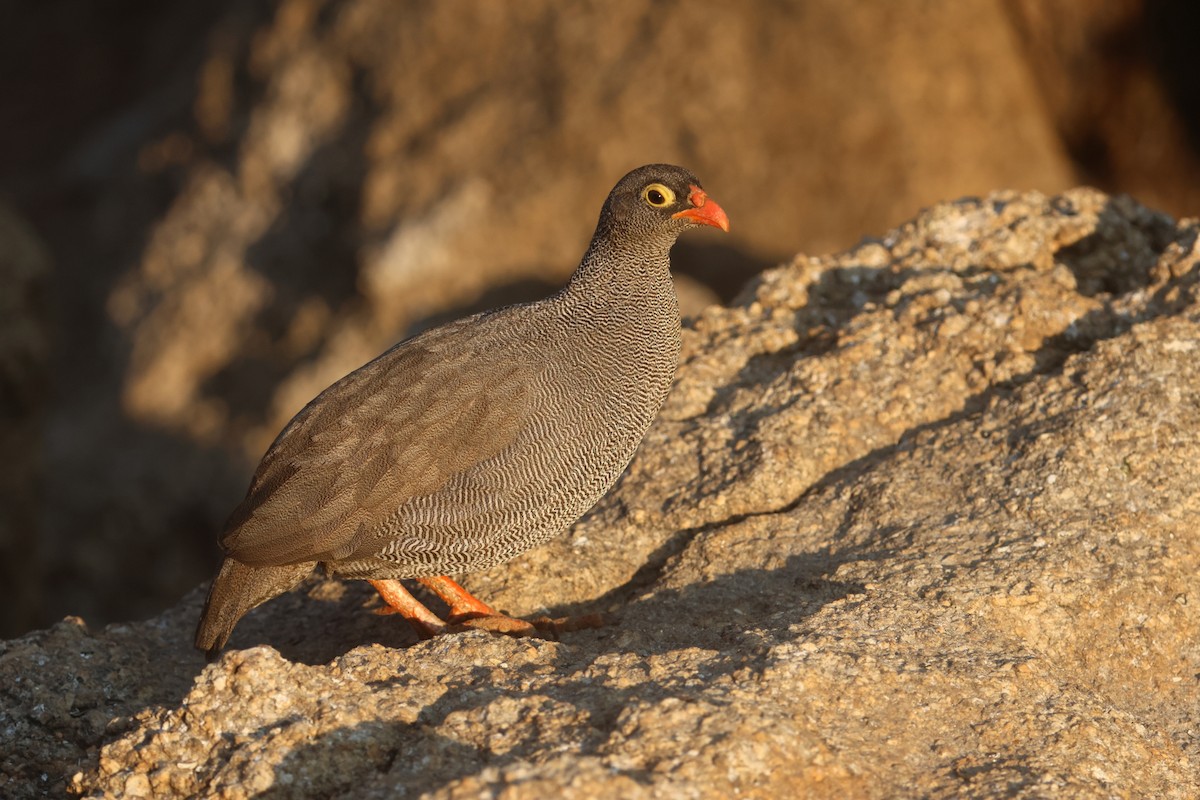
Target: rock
(918,521)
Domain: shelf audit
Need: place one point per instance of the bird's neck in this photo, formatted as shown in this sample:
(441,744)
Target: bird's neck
(637,271)
(623,314)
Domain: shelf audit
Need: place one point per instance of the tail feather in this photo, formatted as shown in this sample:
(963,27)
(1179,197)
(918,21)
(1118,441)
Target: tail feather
(237,589)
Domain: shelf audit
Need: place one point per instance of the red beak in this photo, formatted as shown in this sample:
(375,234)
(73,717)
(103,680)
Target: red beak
(704,211)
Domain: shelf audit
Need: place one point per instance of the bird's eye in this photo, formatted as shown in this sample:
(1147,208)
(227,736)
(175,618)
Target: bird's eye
(658,195)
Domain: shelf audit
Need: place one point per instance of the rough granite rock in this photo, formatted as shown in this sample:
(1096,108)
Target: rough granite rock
(918,520)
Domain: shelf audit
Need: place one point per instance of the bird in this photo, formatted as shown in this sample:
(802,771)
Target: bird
(470,443)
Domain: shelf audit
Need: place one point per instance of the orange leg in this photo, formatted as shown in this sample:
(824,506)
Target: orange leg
(468,611)
(462,603)
(424,622)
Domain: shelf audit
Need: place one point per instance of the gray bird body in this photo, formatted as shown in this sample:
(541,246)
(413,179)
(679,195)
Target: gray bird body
(468,444)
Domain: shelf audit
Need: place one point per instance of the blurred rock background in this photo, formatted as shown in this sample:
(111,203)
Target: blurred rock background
(211,209)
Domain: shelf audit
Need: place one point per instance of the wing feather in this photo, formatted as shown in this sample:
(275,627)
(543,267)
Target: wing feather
(398,428)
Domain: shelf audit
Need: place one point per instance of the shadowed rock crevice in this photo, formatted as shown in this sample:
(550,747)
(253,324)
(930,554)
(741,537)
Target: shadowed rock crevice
(1100,268)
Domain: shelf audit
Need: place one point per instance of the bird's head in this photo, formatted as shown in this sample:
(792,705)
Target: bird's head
(656,203)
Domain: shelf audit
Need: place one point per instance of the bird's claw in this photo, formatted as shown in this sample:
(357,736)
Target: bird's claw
(539,627)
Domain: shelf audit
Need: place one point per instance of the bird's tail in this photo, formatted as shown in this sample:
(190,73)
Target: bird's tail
(238,588)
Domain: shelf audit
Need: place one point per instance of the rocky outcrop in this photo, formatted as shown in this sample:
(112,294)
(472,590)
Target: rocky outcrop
(918,520)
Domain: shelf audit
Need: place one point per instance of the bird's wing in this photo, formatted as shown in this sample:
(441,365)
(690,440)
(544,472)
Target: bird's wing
(398,428)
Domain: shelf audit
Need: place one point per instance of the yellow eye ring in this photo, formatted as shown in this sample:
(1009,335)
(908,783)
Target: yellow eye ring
(658,196)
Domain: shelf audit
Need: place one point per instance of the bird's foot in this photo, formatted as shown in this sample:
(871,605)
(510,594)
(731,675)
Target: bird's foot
(398,600)
(538,627)
(469,613)
(556,625)
(496,623)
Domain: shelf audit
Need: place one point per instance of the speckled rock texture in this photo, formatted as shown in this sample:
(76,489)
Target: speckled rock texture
(918,520)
